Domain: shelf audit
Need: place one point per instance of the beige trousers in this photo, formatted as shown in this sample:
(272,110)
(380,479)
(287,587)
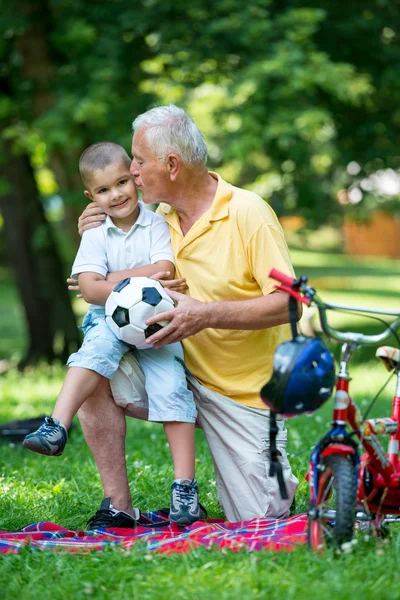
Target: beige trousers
(238,437)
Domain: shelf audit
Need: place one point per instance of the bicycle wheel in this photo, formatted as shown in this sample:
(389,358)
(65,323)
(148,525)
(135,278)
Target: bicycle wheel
(332,520)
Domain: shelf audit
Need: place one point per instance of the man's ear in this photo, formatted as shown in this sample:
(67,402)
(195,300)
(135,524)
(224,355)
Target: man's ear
(173,166)
(88,195)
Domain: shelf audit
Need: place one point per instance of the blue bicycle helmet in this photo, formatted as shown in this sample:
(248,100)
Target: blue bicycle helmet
(303,377)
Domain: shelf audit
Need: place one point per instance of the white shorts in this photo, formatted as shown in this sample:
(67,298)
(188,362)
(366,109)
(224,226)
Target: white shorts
(160,376)
(238,437)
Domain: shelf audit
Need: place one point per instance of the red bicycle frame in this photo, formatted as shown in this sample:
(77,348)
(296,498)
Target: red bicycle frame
(377,473)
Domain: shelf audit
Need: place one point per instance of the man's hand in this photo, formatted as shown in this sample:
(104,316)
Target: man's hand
(178,285)
(73,286)
(91,217)
(189,317)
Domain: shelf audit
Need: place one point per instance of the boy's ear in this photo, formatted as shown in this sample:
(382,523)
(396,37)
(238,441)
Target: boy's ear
(88,195)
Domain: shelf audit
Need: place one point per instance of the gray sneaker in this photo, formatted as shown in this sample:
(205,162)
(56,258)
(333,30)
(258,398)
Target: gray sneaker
(185,507)
(49,439)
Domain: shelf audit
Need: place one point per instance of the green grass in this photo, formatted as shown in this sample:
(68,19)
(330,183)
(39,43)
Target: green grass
(67,490)
(12,323)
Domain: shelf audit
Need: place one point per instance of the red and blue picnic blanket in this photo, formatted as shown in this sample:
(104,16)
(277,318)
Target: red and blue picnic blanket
(154,533)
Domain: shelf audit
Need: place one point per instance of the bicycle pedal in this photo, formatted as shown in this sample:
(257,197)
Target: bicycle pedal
(362,516)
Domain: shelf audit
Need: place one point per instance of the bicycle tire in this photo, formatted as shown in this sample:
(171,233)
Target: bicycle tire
(336,492)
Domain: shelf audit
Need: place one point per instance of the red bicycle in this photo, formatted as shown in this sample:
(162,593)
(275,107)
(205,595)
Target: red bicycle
(344,487)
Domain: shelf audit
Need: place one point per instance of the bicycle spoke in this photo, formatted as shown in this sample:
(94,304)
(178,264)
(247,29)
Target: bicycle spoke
(327,491)
(331,518)
(327,530)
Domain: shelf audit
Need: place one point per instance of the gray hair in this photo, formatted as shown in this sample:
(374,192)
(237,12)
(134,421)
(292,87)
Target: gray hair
(169,129)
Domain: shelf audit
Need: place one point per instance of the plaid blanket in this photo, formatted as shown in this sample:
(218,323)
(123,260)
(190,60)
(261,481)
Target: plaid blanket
(154,533)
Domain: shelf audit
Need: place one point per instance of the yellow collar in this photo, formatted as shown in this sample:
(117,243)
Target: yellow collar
(218,210)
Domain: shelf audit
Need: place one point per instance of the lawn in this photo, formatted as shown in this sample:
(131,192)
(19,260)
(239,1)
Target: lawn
(67,490)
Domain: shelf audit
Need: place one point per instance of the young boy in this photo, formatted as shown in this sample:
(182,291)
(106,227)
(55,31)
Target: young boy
(132,241)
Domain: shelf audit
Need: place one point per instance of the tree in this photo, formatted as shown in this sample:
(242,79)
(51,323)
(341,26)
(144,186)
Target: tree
(30,244)
(287,92)
(38,269)
(60,61)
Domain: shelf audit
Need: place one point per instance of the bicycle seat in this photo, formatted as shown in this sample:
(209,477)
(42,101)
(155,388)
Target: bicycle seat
(389,356)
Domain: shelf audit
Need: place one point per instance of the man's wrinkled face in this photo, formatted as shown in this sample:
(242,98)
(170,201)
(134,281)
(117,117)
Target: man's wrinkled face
(148,170)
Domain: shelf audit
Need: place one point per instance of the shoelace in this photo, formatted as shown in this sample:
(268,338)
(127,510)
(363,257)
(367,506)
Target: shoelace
(48,428)
(185,494)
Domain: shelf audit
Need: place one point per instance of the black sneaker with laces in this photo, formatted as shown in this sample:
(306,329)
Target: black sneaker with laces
(185,507)
(108,516)
(49,439)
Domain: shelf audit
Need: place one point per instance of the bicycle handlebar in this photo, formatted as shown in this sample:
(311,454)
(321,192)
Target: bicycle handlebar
(282,278)
(299,289)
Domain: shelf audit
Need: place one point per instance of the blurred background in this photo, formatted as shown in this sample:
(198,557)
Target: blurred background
(298,101)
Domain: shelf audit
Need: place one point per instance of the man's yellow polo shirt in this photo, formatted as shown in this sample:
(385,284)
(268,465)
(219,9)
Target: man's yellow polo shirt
(227,255)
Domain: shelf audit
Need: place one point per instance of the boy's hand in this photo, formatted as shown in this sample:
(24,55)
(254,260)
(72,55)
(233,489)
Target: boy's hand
(91,217)
(178,285)
(74,286)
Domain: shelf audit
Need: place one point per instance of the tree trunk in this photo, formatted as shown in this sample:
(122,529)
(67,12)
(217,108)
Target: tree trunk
(65,168)
(38,67)
(37,265)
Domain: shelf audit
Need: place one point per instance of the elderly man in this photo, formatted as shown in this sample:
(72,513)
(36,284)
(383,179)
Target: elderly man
(225,242)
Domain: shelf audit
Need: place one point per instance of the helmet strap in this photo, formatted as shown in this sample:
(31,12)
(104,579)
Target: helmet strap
(293,314)
(275,467)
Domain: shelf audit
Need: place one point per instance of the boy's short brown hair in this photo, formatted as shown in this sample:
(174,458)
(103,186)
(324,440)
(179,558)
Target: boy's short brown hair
(99,156)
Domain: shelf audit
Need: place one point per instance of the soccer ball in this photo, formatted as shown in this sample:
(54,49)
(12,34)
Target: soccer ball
(130,304)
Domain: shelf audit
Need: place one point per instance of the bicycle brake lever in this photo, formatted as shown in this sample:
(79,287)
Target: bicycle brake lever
(293,293)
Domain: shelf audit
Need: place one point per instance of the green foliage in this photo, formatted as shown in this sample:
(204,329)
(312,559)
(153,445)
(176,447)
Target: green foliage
(290,88)
(13,329)
(286,93)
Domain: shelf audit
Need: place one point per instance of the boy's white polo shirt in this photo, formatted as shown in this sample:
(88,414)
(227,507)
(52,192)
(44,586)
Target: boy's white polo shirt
(107,248)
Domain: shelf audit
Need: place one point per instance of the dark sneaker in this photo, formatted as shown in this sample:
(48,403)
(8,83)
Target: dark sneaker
(185,507)
(49,439)
(108,516)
